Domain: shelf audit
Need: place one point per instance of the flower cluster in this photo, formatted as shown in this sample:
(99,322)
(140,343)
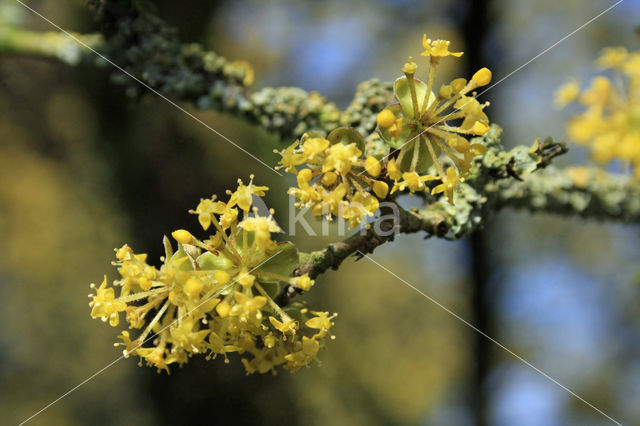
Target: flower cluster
(422,125)
(333,182)
(610,123)
(215,296)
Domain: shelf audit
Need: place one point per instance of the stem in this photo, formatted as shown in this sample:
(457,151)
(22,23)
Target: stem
(414,97)
(449,102)
(434,157)
(138,296)
(403,151)
(271,275)
(416,153)
(432,74)
(453,155)
(153,322)
(453,129)
(451,116)
(283,315)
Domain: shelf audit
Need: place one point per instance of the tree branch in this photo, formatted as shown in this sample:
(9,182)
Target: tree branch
(52,45)
(575,191)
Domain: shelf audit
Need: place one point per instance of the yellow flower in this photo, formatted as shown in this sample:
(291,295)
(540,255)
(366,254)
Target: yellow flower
(123,252)
(243,196)
(314,146)
(567,93)
(413,181)
(206,211)
(361,205)
(262,227)
(448,184)
(321,322)
(473,112)
(290,157)
(437,49)
(341,158)
(130,346)
(247,306)
(105,305)
(304,177)
(286,326)
(154,356)
(612,57)
(458,85)
(187,336)
(308,351)
(228,218)
(609,123)
(599,93)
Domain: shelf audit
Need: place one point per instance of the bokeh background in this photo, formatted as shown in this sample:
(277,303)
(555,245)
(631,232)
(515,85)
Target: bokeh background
(83,169)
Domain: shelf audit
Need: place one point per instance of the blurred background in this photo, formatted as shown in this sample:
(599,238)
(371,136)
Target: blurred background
(83,169)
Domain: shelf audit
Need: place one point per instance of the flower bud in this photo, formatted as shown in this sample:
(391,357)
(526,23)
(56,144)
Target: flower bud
(246,280)
(386,118)
(458,84)
(445,91)
(373,166)
(329,178)
(381,189)
(482,77)
(182,236)
(304,176)
(222,277)
(193,287)
(223,309)
(393,171)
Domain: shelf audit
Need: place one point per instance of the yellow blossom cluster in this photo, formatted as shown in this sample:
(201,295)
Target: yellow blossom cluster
(610,123)
(331,182)
(424,123)
(215,296)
